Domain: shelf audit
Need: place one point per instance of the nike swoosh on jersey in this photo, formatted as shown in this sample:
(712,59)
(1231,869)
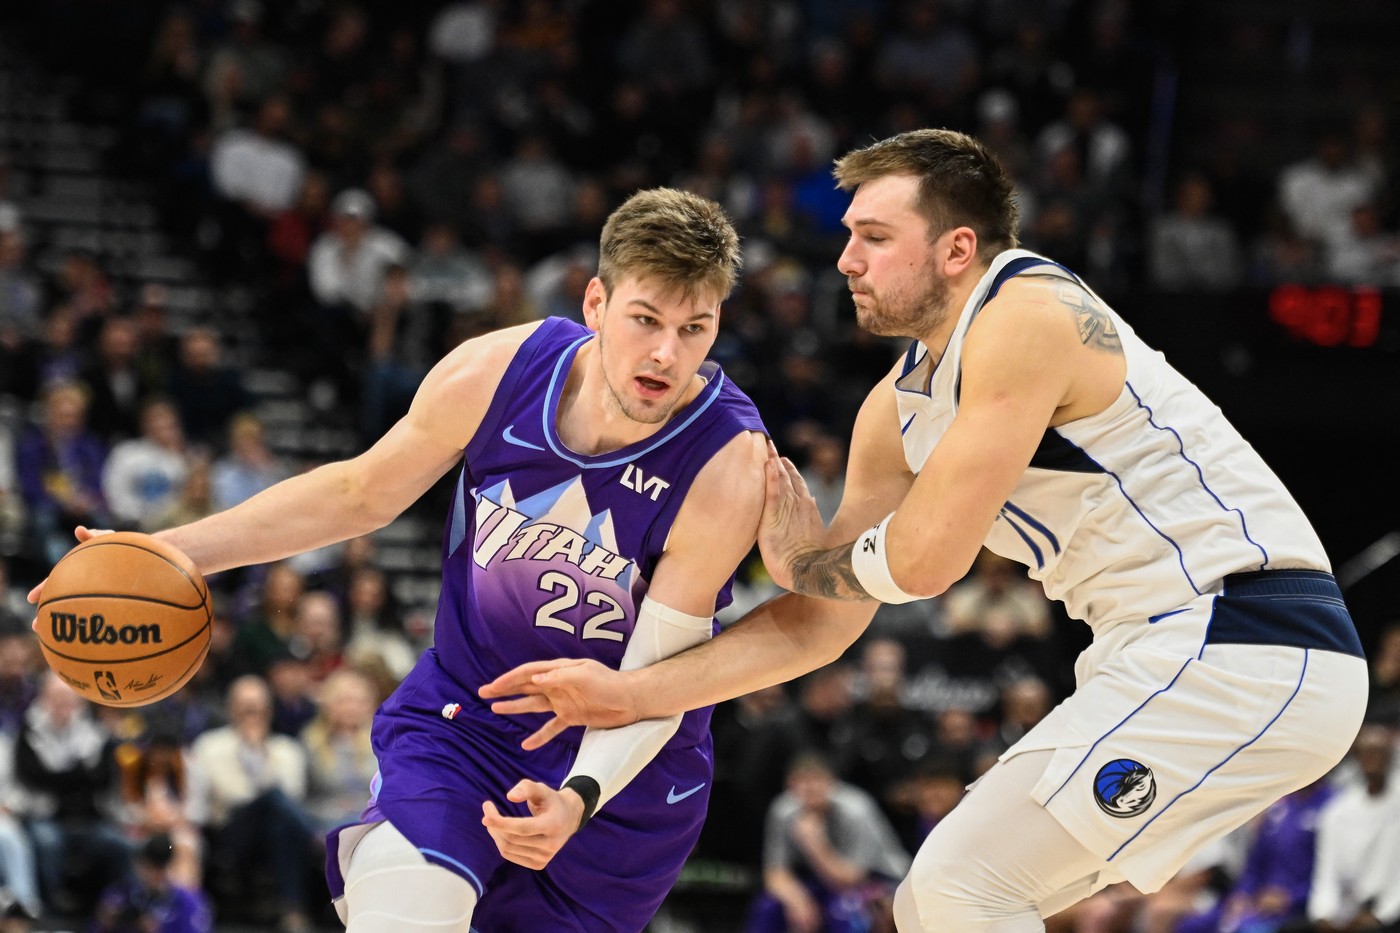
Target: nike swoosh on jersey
(673,797)
(509,437)
(1153,620)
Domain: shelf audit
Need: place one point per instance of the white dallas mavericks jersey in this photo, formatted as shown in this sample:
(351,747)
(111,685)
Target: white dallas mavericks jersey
(1135,511)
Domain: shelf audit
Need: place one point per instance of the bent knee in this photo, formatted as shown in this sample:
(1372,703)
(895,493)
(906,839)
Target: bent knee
(391,888)
(950,898)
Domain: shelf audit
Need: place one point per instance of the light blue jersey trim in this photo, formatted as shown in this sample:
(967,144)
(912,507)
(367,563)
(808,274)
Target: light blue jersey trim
(466,872)
(459,514)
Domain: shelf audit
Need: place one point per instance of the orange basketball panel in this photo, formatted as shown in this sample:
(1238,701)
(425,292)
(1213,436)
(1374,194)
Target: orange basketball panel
(127,563)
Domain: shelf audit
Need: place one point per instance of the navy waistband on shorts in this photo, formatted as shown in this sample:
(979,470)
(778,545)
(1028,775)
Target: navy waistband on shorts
(1295,608)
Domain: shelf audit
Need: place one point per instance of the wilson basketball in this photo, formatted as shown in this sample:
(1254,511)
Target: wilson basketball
(125,619)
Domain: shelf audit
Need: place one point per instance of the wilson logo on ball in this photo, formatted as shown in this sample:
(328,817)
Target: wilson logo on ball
(94,630)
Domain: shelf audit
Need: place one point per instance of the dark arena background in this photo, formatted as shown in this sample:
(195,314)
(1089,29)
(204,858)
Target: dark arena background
(176,179)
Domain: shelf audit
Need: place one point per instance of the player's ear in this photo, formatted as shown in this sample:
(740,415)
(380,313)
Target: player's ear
(595,299)
(959,250)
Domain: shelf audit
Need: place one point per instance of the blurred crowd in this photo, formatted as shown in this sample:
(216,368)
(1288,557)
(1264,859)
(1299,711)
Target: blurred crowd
(389,179)
(217,798)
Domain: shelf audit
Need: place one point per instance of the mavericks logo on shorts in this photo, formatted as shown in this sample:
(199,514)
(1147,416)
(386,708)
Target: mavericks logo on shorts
(1124,788)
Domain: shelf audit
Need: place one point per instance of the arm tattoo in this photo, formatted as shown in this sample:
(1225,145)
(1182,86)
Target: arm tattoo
(827,574)
(1096,329)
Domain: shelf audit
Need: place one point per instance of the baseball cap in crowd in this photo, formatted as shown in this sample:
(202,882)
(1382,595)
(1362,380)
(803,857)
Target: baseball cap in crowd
(353,202)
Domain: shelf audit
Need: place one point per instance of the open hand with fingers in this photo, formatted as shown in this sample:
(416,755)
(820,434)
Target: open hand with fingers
(533,840)
(791,524)
(578,691)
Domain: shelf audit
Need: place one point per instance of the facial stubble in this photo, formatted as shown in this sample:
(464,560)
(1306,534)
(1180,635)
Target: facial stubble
(913,316)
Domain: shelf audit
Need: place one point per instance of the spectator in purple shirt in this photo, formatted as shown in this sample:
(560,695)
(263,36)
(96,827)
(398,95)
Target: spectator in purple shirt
(18,671)
(150,901)
(59,462)
(1272,890)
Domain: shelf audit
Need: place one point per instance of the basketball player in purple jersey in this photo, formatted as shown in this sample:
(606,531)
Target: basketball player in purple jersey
(610,481)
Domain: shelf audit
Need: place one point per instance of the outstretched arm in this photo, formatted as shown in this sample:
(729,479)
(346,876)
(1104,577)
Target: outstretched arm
(351,497)
(775,642)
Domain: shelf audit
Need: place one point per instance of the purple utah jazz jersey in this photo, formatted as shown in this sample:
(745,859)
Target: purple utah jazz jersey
(547,554)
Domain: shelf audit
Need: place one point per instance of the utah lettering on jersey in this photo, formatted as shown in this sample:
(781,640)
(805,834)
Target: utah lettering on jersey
(505,531)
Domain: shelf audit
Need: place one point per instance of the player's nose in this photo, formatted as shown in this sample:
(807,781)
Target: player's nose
(666,350)
(849,263)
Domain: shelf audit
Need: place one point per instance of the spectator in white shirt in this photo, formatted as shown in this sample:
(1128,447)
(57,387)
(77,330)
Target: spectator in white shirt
(1103,144)
(348,266)
(1358,843)
(20,293)
(348,261)
(143,476)
(1319,194)
(825,473)
(250,788)
(538,186)
(1367,254)
(257,167)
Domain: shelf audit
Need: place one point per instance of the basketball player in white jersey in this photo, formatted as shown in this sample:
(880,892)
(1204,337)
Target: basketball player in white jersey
(1027,417)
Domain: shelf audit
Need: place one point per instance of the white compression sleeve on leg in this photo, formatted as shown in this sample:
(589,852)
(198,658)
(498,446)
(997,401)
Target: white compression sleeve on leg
(613,757)
(391,888)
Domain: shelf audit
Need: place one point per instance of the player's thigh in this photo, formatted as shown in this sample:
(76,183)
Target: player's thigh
(998,861)
(1158,755)
(391,888)
(435,776)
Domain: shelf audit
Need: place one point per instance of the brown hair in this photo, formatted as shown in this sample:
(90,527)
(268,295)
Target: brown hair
(960,183)
(676,238)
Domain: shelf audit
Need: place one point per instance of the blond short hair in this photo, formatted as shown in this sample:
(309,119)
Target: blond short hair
(678,239)
(960,183)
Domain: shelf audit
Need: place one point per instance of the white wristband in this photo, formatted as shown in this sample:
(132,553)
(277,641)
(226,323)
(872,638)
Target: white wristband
(872,568)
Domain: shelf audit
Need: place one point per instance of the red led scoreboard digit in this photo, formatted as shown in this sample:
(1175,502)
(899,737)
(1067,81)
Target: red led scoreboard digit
(1328,315)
